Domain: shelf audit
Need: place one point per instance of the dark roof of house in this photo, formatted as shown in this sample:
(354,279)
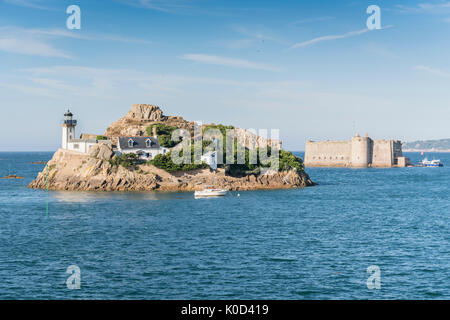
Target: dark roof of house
(138,143)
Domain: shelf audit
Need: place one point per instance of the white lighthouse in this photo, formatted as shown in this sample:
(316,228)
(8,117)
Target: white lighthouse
(68,129)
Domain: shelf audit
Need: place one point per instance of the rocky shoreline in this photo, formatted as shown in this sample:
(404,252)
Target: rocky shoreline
(69,170)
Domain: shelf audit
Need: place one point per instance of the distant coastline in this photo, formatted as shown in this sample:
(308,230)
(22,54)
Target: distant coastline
(439,145)
(427,150)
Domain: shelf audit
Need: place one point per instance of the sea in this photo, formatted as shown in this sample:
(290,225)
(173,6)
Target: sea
(359,234)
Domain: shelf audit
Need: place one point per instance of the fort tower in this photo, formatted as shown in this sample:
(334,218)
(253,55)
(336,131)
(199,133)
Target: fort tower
(361,151)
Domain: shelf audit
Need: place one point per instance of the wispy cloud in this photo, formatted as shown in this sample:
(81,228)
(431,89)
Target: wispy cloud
(228,62)
(34,4)
(258,34)
(316,19)
(169,6)
(37,42)
(32,42)
(332,37)
(63,33)
(251,37)
(64,81)
(433,71)
(190,7)
(30,47)
(328,38)
(441,7)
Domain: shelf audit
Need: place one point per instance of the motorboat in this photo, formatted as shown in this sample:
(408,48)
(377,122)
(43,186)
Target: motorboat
(210,191)
(431,163)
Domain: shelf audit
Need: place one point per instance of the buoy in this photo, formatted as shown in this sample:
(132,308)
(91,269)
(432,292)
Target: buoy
(238,195)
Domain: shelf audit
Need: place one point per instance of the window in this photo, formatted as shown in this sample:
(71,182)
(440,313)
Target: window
(130,143)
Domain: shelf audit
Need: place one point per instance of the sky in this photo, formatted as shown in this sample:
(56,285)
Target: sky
(311,69)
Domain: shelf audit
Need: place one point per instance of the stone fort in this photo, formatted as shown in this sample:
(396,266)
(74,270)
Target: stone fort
(359,152)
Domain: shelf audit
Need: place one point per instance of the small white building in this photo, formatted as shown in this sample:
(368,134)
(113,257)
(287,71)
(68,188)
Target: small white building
(211,159)
(146,148)
(81,145)
(68,136)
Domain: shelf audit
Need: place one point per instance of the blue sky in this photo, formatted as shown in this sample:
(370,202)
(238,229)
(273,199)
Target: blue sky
(309,68)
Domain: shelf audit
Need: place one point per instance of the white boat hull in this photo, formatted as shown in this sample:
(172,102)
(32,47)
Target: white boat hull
(210,193)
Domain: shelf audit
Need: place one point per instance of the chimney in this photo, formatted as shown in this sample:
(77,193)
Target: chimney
(154,132)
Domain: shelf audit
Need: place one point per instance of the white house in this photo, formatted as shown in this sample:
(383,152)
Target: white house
(68,136)
(145,147)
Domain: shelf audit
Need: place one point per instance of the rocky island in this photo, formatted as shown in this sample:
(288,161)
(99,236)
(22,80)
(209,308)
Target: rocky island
(110,162)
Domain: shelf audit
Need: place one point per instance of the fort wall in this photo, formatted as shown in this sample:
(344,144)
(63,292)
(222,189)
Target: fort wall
(359,152)
(328,153)
(382,153)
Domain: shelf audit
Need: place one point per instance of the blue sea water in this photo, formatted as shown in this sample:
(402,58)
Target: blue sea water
(312,243)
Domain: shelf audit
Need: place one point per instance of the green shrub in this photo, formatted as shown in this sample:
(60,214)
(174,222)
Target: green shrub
(289,161)
(223,129)
(164,133)
(164,161)
(126,160)
(101,138)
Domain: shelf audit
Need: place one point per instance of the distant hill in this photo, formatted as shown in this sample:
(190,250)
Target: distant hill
(442,145)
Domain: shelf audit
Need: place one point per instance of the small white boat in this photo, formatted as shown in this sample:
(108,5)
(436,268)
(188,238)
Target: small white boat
(431,163)
(210,191)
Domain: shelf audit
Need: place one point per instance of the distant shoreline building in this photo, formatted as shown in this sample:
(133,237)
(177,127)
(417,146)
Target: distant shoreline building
(359,152)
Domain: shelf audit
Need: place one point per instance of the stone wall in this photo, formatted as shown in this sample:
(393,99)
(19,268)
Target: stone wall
(328,153)
(360,152)
(382,153)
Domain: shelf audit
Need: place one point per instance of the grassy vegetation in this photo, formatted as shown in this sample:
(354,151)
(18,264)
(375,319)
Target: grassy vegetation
(126,160)
(101,138)
(164,133)
(223,129)
(289,161)
(164,161)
